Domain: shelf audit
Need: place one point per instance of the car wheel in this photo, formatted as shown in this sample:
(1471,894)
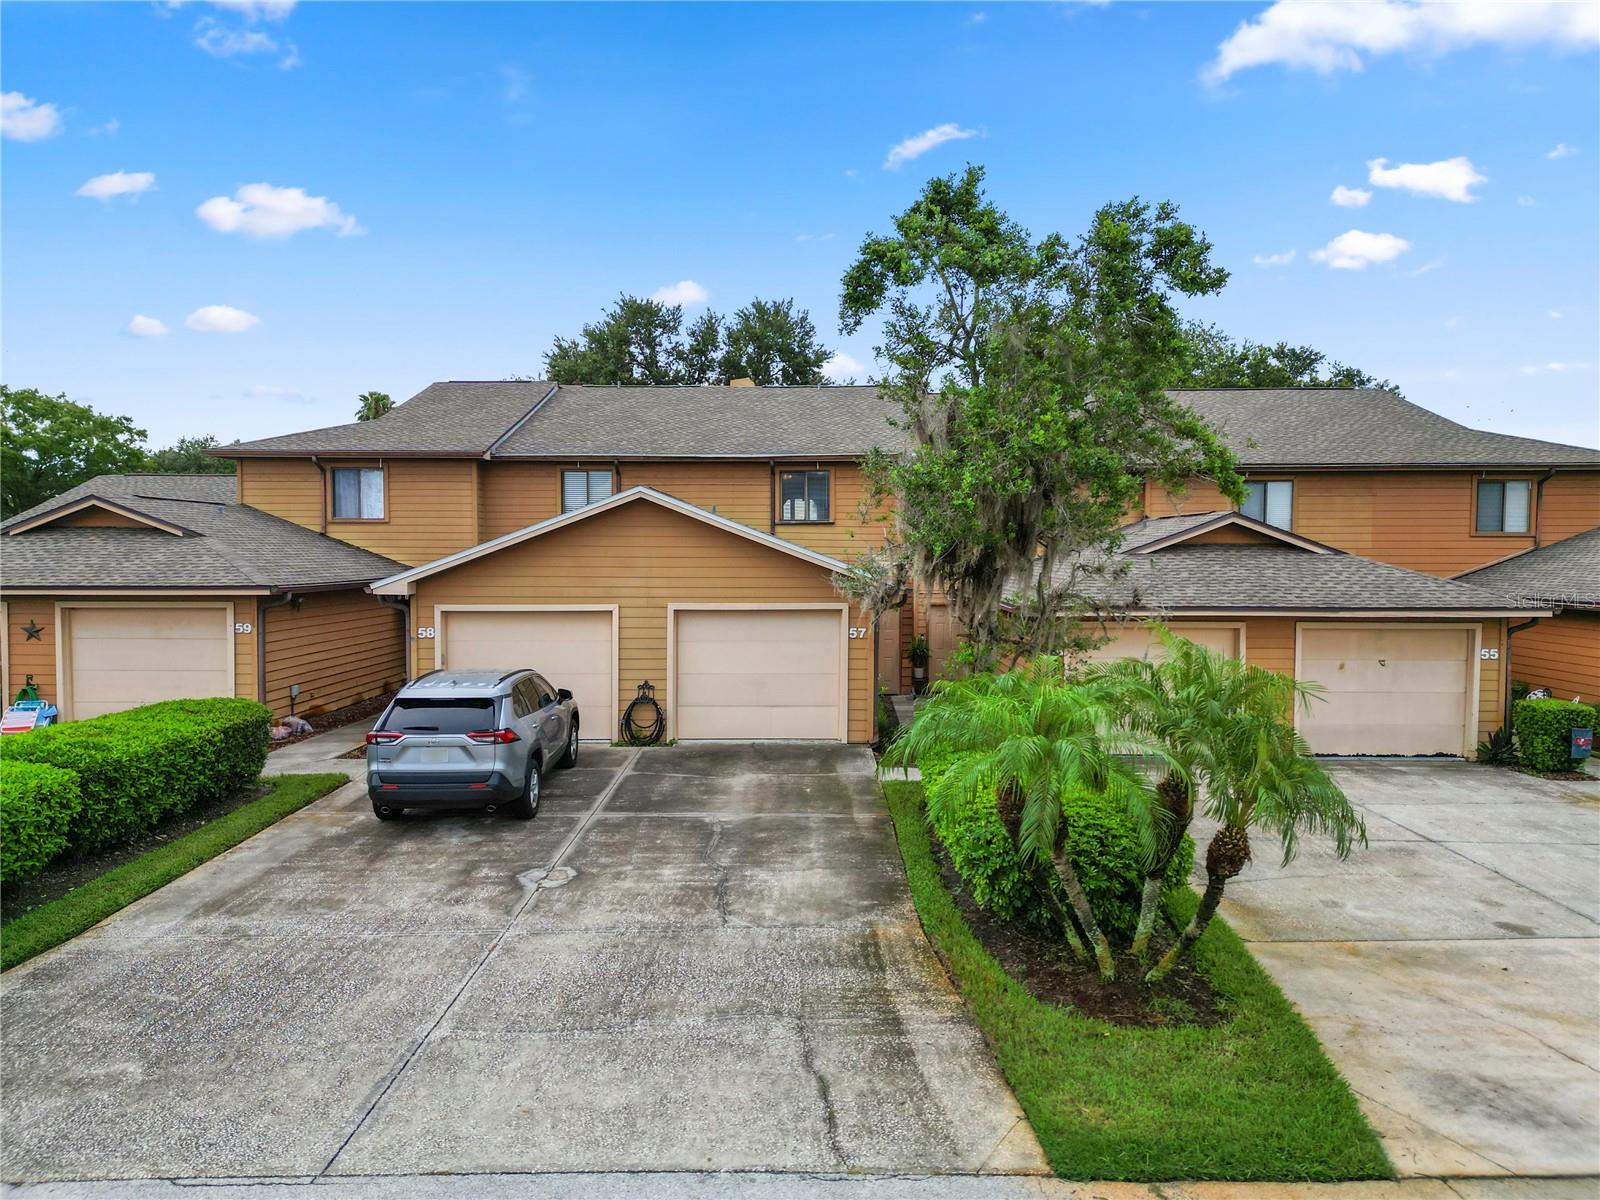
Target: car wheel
(570,758)
(385,811)
(527,804)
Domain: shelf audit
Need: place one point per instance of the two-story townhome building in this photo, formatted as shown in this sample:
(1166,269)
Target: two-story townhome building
(691,537)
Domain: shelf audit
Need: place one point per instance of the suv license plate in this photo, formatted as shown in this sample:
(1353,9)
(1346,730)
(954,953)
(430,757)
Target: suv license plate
(435,754)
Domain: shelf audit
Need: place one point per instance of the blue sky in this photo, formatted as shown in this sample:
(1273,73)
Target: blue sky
(477,178)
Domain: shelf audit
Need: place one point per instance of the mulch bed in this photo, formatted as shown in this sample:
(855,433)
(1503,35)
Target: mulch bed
(362,710)
(1041,961)
(62,876)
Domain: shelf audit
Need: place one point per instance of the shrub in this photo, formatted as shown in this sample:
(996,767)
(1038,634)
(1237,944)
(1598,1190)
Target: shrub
(37,803)
(138,767)
(1544,732)
(1101,841)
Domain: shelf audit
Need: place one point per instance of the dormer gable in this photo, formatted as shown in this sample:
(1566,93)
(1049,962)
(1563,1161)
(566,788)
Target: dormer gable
(1213,529)
(97,512)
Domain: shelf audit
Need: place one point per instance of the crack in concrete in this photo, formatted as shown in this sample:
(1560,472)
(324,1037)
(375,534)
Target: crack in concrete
(531,895)
(808,1059)
(719,872)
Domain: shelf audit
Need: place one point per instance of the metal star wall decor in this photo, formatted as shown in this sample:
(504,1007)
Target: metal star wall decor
(32,630)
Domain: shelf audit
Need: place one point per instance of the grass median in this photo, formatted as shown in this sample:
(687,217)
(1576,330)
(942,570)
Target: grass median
(1254,1098)
(87,905)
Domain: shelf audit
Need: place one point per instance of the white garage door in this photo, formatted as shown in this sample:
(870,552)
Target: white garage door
(571,649)
(123,657)
(759,674)
(1389,691)
(1138,641)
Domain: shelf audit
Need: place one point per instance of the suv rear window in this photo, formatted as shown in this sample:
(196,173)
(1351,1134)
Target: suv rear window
(427,714)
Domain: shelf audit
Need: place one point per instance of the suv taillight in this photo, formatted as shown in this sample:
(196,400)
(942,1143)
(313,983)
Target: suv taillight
(490,736)
(383,738)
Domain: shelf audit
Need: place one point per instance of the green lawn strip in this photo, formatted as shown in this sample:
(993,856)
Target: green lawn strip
(51,924)
(1252,1099)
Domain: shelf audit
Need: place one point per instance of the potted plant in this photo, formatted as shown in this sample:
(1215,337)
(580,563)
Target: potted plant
(918,654)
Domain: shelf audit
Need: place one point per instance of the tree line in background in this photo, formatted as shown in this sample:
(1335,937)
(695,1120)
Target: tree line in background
(49,444)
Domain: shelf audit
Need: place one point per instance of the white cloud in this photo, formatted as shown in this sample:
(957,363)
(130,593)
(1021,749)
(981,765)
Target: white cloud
(843,366)
(1555,314)
(118,183)
(915,147)
(977,18)
(143,326)
(684,292)
(257,10)
(813,237)
(1527,202)
(1349,197)
(1448,179)
(225,41)
(1562,150)
(24,119)
(221,318)
(1274,260)
(1355,250)
(1327,36)
(109,129)
(260,210)
(1555,368)
(1427,267)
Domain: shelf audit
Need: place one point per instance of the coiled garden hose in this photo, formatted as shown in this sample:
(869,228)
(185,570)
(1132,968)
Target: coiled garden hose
(643,723)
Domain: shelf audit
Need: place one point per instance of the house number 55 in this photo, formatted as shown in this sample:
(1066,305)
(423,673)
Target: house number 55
(425,631)
(1489,652)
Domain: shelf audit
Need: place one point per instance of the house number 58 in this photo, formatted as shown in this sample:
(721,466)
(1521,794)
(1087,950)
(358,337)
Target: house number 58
(425,631)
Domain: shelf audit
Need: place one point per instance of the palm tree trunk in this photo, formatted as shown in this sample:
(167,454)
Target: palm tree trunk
(1192,931)
(1042,881)
(1080,905)
(1149,905)
(1008,806)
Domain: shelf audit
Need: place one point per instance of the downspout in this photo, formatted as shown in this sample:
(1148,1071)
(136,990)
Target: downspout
(322,495)
(262,606)
(1505,670)
(772,496)
(1538,508)
(402,605)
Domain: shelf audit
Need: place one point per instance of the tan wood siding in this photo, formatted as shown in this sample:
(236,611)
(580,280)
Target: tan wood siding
(431,510)
(849,533)
(26,657)
(1422,520)
(1231,535)
(1561,653)
(290,488)
(98,518)
(340,647)
(518,494)
(1269,643)
(738,491)
(642,557)
(1570,504)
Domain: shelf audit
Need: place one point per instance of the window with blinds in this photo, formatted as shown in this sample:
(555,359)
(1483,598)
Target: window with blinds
(1271,501)
(803,496)
(1504,505)
(358,493)
(579,489)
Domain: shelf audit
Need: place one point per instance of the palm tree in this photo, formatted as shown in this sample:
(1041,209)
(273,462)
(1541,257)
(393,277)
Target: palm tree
(1263,776)
(1188,702)
(372,405)
(1033,738)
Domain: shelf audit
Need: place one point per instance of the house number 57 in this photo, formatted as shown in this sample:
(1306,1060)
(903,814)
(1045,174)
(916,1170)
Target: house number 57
(857,631)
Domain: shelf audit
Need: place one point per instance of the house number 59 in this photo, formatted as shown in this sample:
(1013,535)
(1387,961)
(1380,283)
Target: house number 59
(425,631)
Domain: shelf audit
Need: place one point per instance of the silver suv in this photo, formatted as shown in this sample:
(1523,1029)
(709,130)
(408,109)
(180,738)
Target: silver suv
(470,739)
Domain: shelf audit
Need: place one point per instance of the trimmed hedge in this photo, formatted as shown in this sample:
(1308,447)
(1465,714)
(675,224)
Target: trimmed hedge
(1544,732)
(37,803)
(1101,841)
(138,767)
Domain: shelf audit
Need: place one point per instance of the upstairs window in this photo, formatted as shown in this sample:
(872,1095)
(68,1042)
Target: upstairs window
(579,489)
(804,496)
(1504,505)
(358,493)
(1271,501)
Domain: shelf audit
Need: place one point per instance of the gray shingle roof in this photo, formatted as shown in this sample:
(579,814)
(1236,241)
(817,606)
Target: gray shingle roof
(236,546)
(1267,427)
(460,419)
(1267,578)
(1565,572)
(712,422)
(1361,427)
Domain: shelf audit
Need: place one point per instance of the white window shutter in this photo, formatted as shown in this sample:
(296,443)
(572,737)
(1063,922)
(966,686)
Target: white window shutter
(1280,503)
(1517,505)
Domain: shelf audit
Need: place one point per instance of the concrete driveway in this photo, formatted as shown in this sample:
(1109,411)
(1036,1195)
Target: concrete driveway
(695,958)
(1452,969)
